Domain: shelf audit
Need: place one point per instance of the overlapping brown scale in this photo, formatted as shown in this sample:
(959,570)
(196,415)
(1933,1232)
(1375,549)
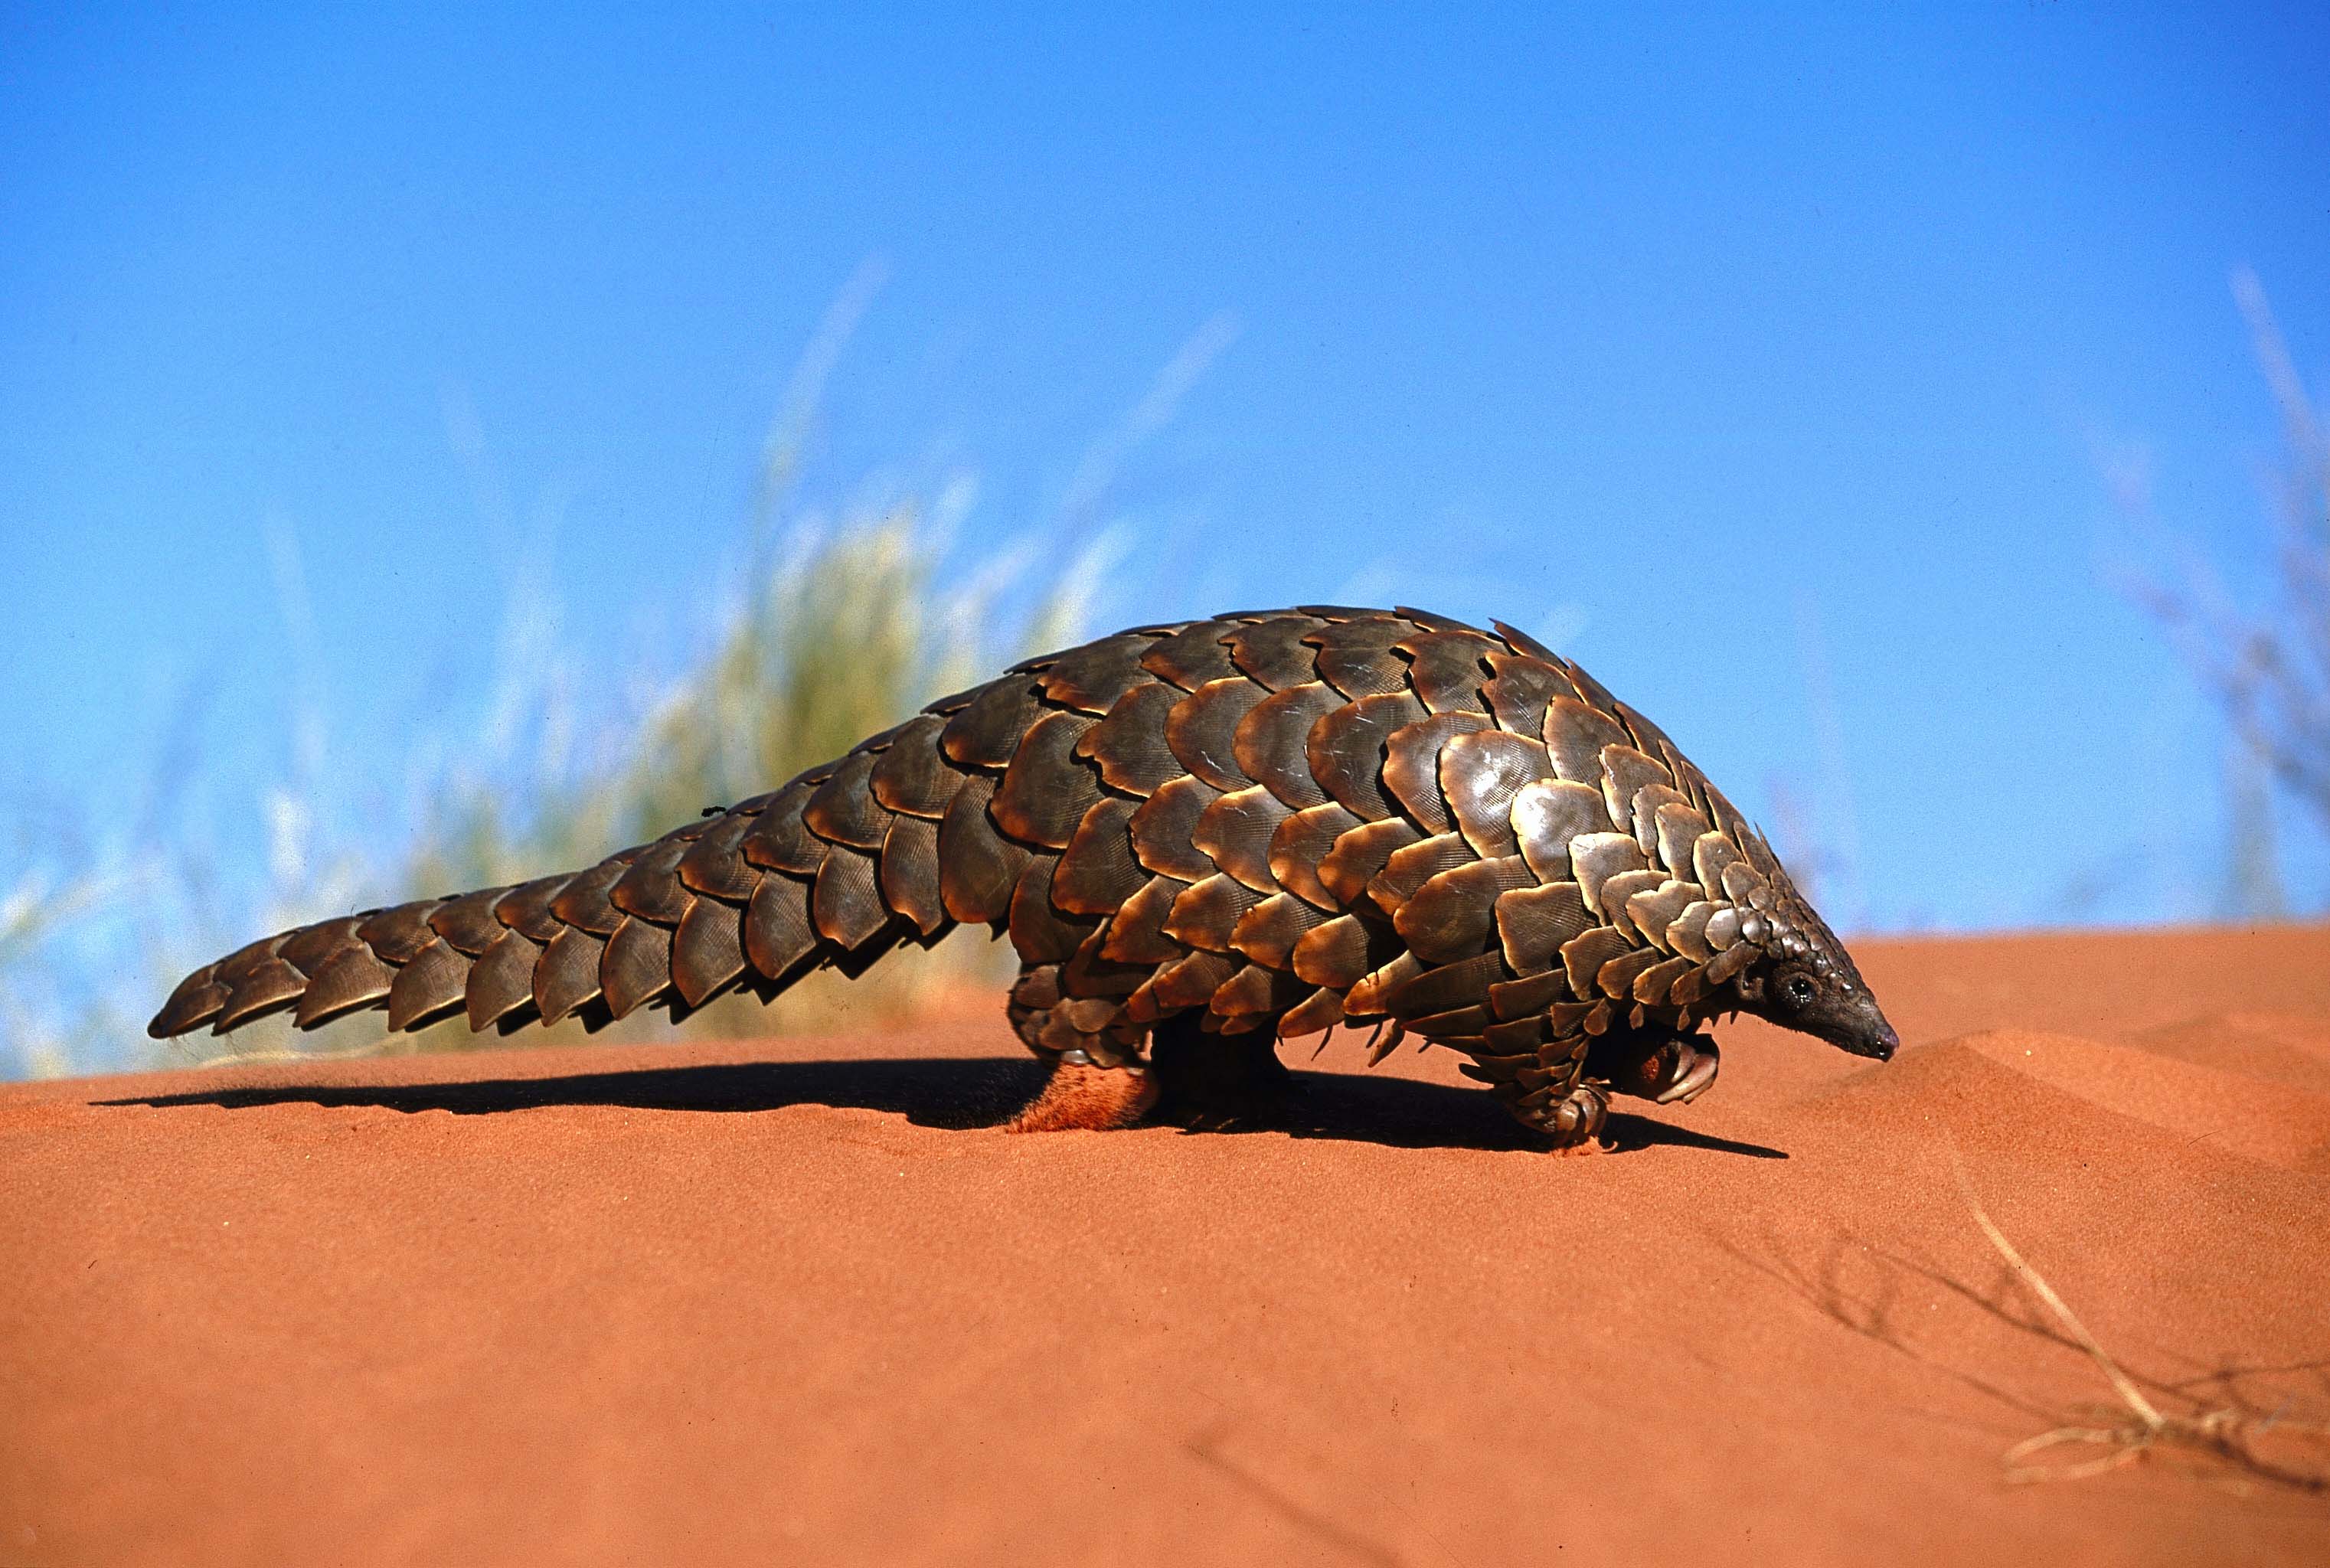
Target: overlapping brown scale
(1367,996)
(1530,994)
(1652,985)
(1129,745)
(636,968)
(1643,810)
(1458,1023)
(846,903)
(1723,928)
(585,902)
(1301,843)
(1191,982)
(307,949)
(1136,933)
(912,774)
(1411,769)
(1480,774)
(1192,655)
(1040,934)
(1322,1010)
(1091,678)
(257,989)
(1412,865)
(1097,871)
(1341,952)
(197,998)
(1588,688)
(715,864)
(1550,816)
(1345,750)
(1688,989)
(1617,891)
(1648,736)
(1687,932)
(1090,972)
(1675,830)
(778,840)
(1045,791)
(1361,854)
(1575,736)
(427,986)
(353,978)
(1452,915)
(1521,642)
(526,908)
(468,922)
(1208,910)
(977,865)
(501,980)
(1438,989)
(1653,913)
(1235,831)
(1533,923)
(399,934)
(1743,885)
(1164,826)
(1582,955)
(1519,691)
(910,872)
(1725,965)
(843,809)
(1432,622)
(1596,858)
(1202,730)
(566,975)
(1256,990)
(651,887)
(1624,771)
(1267,932)
(1709,854)
(1616,979)
(778,934)
(1355,657)
(1519,1036)
(1271,742)
(1447,670)
(986,732)
(1272,651)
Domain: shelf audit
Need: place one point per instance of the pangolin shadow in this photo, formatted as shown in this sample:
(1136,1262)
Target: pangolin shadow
(956,1093)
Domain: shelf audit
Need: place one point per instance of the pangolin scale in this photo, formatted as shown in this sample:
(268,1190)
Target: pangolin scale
(1201,838)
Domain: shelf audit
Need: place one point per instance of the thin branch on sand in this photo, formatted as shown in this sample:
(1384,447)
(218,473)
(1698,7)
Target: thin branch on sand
(2135,1427)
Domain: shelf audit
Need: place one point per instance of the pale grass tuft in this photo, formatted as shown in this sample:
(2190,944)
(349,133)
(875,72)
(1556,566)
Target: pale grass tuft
(2137,1427)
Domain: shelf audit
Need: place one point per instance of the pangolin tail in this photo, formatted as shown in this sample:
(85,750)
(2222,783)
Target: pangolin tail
(749,896)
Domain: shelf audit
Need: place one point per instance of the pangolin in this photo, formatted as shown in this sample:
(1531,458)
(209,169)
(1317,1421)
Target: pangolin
(1201,838)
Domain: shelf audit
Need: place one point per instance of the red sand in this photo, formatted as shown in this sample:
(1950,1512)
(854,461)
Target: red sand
(786,1301)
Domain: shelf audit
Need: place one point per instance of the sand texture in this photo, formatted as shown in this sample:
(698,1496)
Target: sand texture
(798,1302)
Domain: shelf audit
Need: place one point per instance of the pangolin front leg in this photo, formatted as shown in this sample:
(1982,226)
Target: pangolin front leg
(1200,837)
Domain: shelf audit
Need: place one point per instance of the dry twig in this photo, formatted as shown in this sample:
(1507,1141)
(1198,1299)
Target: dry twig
(2135,1427)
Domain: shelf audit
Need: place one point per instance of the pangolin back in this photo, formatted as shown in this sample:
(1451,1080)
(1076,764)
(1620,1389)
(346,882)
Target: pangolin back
(1266,821)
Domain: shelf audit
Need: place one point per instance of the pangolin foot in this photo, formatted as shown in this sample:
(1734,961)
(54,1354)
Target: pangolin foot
(1218,1083)
(1082,1096)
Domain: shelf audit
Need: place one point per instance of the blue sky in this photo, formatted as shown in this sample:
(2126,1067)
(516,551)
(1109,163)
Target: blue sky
(1773,364)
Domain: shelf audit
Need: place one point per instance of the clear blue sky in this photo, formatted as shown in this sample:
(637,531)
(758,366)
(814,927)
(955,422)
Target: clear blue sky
(1751,356)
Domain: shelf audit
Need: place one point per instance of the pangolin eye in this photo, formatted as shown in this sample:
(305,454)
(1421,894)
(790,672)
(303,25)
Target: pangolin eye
(1796,991)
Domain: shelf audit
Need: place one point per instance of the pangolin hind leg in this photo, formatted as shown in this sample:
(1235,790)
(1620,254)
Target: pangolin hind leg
(1100,1078)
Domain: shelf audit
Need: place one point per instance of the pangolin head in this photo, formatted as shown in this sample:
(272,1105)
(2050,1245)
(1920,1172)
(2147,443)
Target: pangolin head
(1802,977)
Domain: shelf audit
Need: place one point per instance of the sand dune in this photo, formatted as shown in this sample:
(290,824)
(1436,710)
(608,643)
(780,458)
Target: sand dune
(798,1302)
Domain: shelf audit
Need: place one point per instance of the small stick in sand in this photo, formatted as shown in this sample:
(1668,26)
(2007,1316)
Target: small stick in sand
(2139,1426)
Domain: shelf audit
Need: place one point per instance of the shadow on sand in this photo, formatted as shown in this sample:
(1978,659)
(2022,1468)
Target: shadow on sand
(1397,1112)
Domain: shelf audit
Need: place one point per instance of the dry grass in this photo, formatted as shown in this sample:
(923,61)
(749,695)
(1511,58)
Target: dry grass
(2223,1438)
